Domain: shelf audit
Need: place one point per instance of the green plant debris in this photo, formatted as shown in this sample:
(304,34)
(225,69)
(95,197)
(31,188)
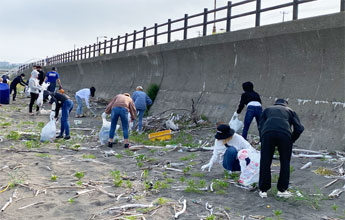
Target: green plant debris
(324,171)
(53,177)
(198,174)
(89,156)
(32,144)
(117,179)
(13,135)
(79,175)
(189,157)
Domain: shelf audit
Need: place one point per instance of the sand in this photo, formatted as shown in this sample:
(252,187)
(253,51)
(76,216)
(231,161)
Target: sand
(29,170)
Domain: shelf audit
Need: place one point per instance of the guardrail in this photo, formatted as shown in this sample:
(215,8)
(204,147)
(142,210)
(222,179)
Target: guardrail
(122,43)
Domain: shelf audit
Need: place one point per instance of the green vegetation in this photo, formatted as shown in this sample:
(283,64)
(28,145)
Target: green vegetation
(152,91)
(40,125)
(89,156)
(219,186)
(53,178)
(117,179)
(16,178)
(43,155)
(13,135)
(32,144)
(79,175)
(189,157)
(198,174)
(194,187)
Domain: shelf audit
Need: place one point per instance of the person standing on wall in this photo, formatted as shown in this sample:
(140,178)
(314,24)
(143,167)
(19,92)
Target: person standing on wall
(52,77)
(275,130)
(119,106)
(34,90)
(64,102)
(84,94)
(254,108)
(15,82)
(141,101)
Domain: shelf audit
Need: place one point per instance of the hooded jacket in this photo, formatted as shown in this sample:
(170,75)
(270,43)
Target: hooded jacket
(33,82)
(248,96)
(141,100)
(280,118)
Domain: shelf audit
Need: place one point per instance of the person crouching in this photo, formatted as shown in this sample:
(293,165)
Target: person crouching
(226,147)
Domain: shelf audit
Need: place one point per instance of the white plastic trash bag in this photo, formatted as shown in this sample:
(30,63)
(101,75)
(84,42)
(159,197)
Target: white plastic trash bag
(250,166)
(130,124)
(39,100)
(104,133)
(27,92)
(235,123)
(48,132)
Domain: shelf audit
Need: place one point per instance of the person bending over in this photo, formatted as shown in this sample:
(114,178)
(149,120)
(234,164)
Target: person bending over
(15,82)
(84,94)
(141,101)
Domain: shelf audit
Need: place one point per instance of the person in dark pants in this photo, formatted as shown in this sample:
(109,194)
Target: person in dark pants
(275,130)
(41,75)
(66,104)
(254,109)
(15,82)
(34,90)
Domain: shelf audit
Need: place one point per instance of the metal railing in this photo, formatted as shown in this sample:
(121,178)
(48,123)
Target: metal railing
(114,45)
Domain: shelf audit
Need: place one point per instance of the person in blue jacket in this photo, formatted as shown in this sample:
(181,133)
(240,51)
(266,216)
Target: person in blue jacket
(52,77)
(141,101)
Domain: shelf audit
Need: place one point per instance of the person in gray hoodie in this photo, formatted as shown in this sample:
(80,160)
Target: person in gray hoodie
(34,90)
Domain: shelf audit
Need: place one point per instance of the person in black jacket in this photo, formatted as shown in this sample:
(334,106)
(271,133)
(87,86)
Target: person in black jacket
(254,109)
(66,104)
(15,82)
(41,75)
(275,130)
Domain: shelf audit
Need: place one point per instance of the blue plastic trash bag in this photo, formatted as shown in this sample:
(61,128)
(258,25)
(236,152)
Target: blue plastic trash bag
(4,93)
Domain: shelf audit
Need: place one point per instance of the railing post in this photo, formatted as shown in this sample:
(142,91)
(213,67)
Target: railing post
(118,44)
(185,28)
(94,50)
(99,49)
(111,46)
(134,38)
(155,35)
(125,46)
(204,27)
(169,30)
(144,36)
(105,47)
(74,55)
(85,52)
(295,10)
(89,51)
(228,17)
(342,5)
(78,54)
(257,15)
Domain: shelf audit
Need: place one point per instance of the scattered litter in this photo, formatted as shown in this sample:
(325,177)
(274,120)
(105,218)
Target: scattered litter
(306,165)
(78,122)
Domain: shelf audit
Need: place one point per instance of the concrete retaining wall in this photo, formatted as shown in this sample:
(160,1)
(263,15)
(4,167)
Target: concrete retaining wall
(302,61)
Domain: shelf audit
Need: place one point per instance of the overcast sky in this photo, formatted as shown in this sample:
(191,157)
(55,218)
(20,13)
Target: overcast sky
(34,29)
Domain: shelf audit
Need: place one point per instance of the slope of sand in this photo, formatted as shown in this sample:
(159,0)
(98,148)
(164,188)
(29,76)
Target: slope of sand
(29,170)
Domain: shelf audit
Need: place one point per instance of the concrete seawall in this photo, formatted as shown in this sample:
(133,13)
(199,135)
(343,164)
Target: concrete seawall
(302,61)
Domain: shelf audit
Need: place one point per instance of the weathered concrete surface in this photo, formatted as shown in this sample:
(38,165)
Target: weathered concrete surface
(302,61)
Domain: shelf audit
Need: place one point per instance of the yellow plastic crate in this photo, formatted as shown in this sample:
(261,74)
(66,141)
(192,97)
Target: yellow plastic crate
(160,135)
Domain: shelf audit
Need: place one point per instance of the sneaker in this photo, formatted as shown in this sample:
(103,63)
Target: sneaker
(263,194)
(285,194)
(127,146)
(110,144)
(60,136)
(67,137)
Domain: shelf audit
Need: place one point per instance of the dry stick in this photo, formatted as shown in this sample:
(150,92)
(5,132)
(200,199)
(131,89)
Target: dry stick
(177,214)
(227,215)
(173,169)
(27,206)
(305,166)
(330,183)
(102,191)
(307,151)
(129,206)
(340,166)
(14,195)
(316,156)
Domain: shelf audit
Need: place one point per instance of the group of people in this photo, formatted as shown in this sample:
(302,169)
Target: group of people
(278,125)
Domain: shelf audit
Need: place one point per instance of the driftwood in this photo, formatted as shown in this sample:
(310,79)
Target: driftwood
(27,206)
(306,165)
(317,156)
(129,206)
(184,203)
(101,190)
(330,183)
(308,151)
(14,195)
(173,169)
(335,193)
(138,147)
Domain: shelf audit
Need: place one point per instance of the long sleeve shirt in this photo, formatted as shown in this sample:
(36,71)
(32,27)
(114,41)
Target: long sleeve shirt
(141,100)
(34,83)
(59,100)
(18,80)
(84,94)
(219,149)
(122,101)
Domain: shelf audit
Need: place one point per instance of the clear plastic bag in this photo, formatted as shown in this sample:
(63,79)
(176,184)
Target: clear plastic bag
(250,166)
(235,123)
(39,100)
(104,132)
(49,130)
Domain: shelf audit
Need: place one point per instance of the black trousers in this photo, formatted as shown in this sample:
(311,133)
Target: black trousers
(269,141)
(33,98)
(14,89)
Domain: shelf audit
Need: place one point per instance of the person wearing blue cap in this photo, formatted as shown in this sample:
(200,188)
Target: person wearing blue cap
(275,130)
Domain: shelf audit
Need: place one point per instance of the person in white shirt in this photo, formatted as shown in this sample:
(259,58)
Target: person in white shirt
(226,147)
(84,94)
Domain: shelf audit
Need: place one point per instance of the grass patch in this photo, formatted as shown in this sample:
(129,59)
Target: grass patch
(89,156)
(188,157)
(42,155)
(13,135)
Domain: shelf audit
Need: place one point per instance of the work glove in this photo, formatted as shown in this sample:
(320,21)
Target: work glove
(235,114)
(207,166)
